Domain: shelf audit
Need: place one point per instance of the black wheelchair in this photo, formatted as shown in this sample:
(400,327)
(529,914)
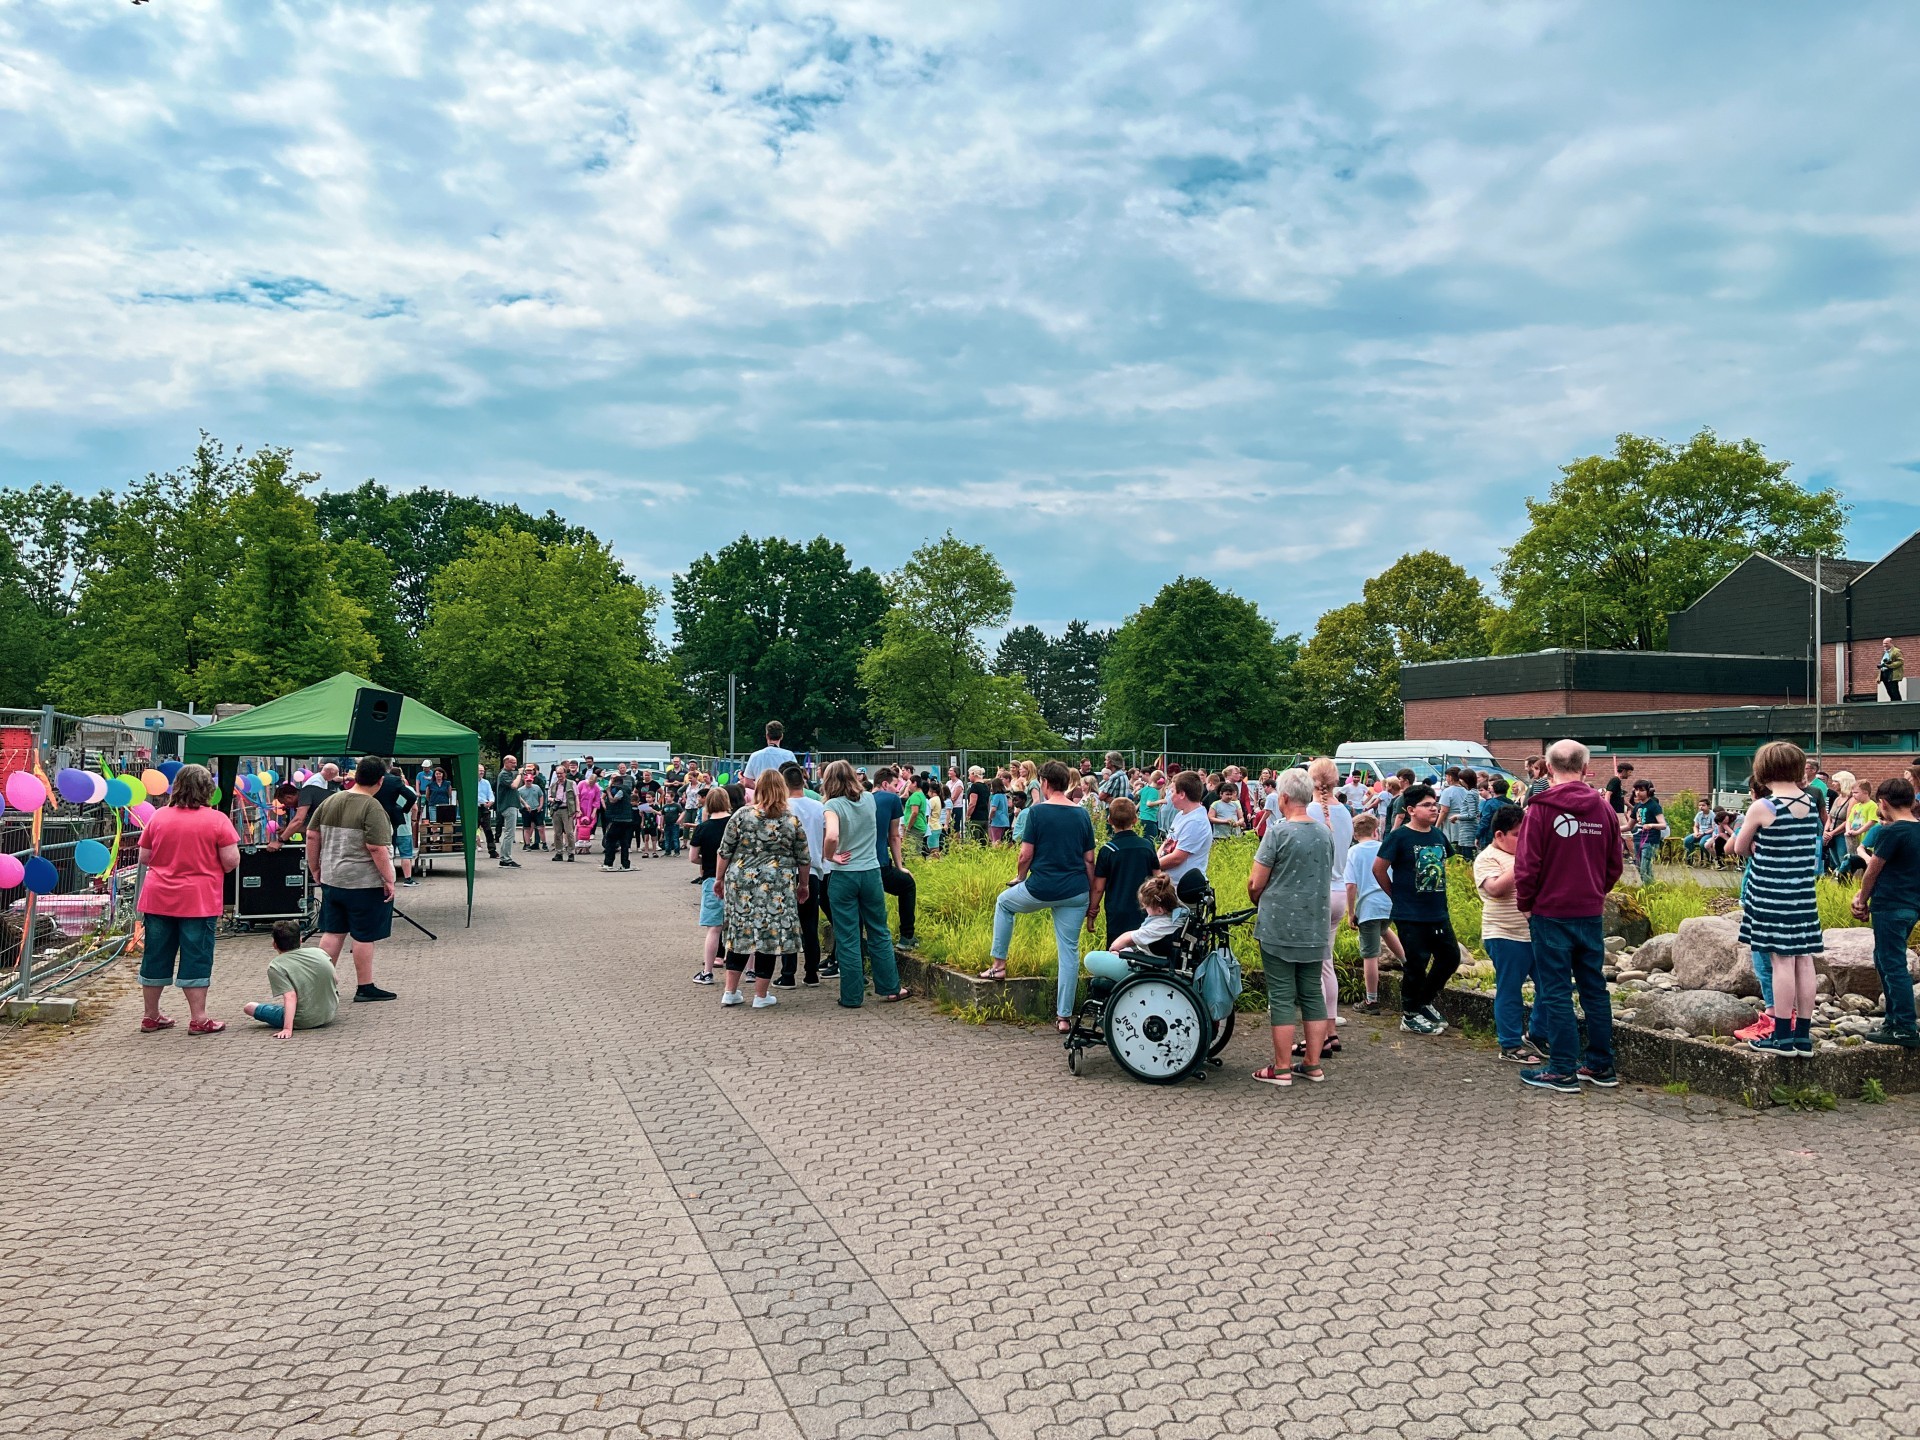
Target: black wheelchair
(1156,1023)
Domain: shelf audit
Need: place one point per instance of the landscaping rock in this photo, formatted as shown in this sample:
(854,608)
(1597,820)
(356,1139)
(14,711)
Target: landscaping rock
(1622,919)
(1708,955)
(1656,954)
(1626,975)
(1857,1005)
(1616,943)
(1848,963)
(1695,1012)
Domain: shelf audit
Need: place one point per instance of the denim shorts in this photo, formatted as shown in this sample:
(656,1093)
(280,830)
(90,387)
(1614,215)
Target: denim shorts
(274,1015)
(403,842)
(189,941)
(366,915)
(712,910)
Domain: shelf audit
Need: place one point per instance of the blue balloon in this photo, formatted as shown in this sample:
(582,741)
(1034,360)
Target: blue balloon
(171,768)
(92,857)
(41,878)
(120,793)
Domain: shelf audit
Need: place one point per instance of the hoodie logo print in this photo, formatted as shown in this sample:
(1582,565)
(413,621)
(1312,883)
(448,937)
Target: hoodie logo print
(1566,826)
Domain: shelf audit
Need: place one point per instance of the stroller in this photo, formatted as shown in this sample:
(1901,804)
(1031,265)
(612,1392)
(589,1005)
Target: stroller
(1157,1022)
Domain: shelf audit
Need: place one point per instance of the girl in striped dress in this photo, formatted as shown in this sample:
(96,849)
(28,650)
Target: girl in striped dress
(1781,837)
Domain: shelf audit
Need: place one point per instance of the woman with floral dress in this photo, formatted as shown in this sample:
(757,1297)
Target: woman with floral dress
(761,878)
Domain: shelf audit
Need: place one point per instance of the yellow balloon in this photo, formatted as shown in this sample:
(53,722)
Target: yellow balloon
(155,782)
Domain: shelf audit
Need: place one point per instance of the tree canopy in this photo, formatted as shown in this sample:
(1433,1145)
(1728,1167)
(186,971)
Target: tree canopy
(791,622)
(1064,674)
(1626,538)
(1204,661)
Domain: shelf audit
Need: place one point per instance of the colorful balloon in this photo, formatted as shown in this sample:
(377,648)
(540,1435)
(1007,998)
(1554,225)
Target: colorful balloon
(75,786)
(141,812)
(170,768)
(154,781)
(99,788)
(39,876)
(25,792)
(12,872)
(120,792)
(92,857)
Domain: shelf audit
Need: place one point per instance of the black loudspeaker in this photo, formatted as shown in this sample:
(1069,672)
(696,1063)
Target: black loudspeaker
(269,884)
(375,727)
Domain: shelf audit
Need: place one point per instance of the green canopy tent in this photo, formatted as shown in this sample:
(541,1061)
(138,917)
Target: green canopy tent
(314,721)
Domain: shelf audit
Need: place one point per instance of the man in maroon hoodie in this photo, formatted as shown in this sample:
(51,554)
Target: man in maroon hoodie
(1568,859)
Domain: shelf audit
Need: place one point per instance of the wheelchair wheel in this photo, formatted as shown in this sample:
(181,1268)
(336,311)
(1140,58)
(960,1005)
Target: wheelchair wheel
(1073,1062)
(1222,1033)
(1156,1028)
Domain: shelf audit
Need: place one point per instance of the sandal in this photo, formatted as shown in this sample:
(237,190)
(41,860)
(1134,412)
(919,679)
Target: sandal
(1065,1027)
(147,1027)
(1310,1072)
(206,1027)
(1267,1075)
(993,972)
(1331,1047)
(902,993)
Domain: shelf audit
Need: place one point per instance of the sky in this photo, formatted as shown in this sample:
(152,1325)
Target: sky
(1267,292)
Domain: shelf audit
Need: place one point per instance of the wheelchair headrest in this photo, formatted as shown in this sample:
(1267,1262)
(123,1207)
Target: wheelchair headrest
(1193,887)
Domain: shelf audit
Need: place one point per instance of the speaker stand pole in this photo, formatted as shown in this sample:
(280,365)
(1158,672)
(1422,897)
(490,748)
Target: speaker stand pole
(400,914)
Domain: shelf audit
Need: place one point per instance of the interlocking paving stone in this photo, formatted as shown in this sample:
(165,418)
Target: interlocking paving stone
(556,1190)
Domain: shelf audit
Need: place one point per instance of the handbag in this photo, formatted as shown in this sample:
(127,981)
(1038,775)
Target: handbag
(1221,982)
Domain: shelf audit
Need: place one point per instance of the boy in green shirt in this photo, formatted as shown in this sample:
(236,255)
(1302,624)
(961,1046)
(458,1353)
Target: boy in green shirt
(305,995)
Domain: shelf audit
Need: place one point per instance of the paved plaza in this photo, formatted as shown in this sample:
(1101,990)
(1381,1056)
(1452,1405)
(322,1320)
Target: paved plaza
(557,1190)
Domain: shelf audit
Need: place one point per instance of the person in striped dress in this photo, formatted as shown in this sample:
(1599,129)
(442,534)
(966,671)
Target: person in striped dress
(1781,836)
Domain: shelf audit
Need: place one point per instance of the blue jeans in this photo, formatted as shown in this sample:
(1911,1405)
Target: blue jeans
(1512,968)
(1763,972)
(1891,927)
(1566,954)
(271,1015)
(188,941)
(1068,916)
(1644,852)
(860,935)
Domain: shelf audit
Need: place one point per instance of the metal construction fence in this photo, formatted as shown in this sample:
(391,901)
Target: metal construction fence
(59,932)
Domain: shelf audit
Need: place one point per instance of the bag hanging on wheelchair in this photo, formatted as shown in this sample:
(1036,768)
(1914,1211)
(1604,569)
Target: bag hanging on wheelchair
(1220,982)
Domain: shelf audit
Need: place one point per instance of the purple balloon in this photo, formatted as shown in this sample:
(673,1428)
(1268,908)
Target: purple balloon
(75,786)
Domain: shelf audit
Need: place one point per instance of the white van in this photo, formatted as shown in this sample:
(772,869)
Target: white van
(1374,760)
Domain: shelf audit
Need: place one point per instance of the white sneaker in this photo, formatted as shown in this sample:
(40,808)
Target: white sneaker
(733,997)
(761,1002)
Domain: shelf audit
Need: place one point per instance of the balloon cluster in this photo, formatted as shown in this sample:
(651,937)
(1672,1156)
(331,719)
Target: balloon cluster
(128,796)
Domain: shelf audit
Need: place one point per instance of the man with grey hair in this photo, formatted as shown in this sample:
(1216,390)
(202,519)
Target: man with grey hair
(1113,779)
(1291,883)
(1567,859)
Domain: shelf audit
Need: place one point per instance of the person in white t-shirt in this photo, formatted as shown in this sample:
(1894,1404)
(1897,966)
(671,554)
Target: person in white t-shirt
(1190,837)
(770,756)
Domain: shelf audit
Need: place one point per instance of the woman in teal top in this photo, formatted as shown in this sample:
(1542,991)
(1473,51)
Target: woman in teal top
(855,899)
(1150,807)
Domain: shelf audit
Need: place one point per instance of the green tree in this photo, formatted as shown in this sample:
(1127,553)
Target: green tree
(25,637)
(1423,607)
(1026,654)
(1204,661)
(928,675)
(423,531)
(284,623)
(365,577)
(147,622)
(1623,539)
(530,638)
(790,622)
(1079,684)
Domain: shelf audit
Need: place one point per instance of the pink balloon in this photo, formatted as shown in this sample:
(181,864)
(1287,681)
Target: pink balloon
(12,872)
(25,792)
(99,788)
(143,812)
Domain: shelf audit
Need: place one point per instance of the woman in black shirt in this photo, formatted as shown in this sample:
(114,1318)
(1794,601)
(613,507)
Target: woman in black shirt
(703,849)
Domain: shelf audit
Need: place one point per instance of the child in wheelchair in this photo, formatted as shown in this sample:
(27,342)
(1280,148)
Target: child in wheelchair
(1155,934)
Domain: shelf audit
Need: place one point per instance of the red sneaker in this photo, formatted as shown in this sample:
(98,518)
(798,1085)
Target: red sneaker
(1759,1030)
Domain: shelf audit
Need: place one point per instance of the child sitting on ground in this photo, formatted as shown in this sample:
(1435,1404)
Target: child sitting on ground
(1156,896)
(305,996)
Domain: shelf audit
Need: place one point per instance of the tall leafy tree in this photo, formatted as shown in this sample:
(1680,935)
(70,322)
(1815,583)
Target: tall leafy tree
(1422,607)
(1026,654)
(284,622)
(365,577)
(530,638)
(147,619)
(25,637)
(790,622)
(1079,658)
(1204,661)
(423,531)
(1625,538)
(928,675)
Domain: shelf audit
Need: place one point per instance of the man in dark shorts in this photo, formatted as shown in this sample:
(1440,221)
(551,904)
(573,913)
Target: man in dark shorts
(347,841)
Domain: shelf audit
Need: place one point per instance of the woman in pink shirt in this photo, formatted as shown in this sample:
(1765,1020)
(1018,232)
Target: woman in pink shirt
(187,849)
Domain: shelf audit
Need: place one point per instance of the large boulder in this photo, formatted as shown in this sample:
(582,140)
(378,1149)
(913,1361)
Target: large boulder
(1708,955)
(1698,1012)
(1848,963)
(1621,915)
(1656,954)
